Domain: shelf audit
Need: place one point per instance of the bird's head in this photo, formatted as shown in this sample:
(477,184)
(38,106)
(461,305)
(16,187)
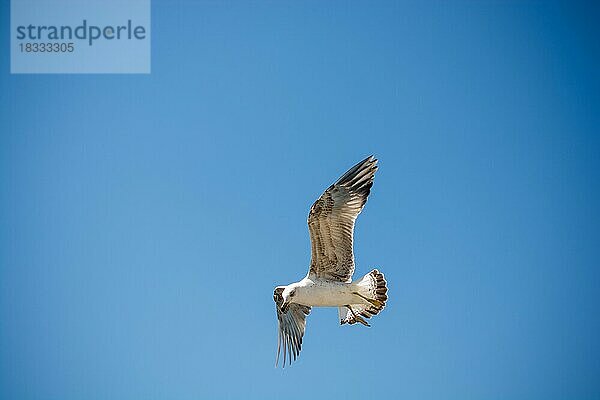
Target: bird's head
(287,294)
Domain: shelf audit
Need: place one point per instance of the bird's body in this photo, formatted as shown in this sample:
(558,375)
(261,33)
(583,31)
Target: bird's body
(329,281)
(324,293)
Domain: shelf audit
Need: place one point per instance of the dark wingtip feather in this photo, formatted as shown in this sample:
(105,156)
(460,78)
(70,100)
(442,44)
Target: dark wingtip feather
(359,178)
(369,163)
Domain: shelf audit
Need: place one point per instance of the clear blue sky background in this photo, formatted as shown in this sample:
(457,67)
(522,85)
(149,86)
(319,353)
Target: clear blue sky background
(145,219)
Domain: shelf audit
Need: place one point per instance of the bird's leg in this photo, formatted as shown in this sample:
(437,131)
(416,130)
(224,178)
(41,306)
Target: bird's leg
(358,317)
(375,302)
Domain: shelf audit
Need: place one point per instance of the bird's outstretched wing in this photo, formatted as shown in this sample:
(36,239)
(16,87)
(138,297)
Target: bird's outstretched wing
(331,222)
(292,324)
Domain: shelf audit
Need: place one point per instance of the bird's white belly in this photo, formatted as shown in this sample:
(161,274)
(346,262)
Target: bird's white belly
(327,294)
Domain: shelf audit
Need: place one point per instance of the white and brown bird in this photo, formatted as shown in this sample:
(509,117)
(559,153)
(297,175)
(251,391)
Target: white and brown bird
(329,280)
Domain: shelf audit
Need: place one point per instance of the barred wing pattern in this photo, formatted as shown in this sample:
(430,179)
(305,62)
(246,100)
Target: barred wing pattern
(331,222)
(291,327)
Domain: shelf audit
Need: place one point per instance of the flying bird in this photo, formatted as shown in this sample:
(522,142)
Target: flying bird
(329,279)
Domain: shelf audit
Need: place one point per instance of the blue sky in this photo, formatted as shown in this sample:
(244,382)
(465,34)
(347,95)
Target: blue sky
(147,218)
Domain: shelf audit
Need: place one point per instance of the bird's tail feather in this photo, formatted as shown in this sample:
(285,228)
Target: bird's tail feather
(373,289)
